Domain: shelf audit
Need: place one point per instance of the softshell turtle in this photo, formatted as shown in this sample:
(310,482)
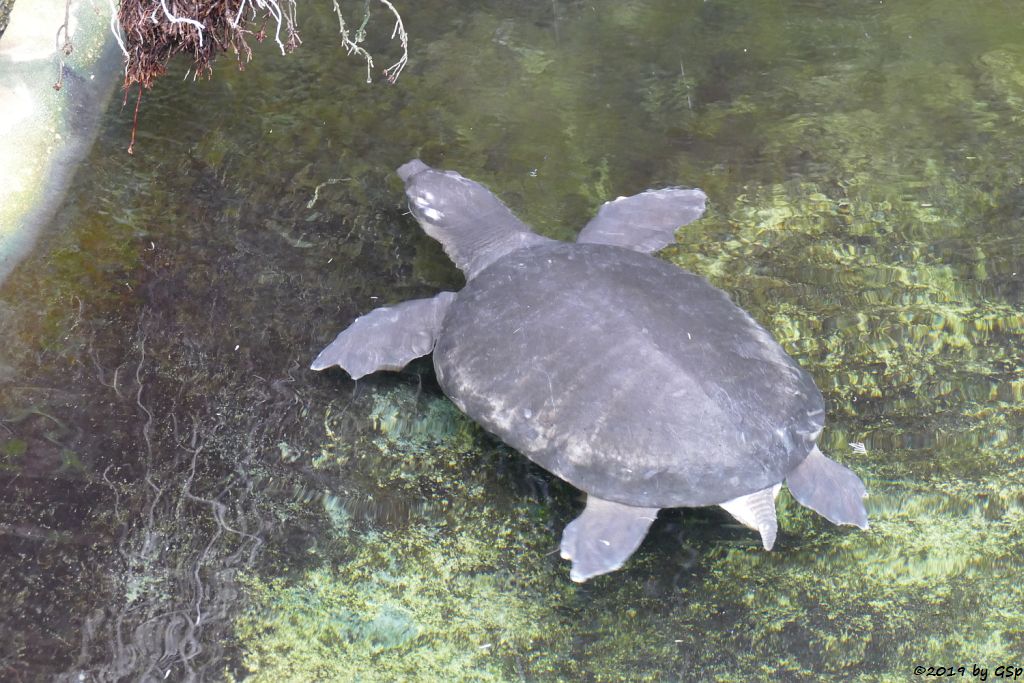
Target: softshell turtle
(629,378)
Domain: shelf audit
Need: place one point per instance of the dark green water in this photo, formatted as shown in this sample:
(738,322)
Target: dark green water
(183,499)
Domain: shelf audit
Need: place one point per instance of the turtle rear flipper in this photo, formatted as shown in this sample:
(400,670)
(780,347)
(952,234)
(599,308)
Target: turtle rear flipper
(645,222)
(602,538)
(471,223)
(828,488)
(387,338)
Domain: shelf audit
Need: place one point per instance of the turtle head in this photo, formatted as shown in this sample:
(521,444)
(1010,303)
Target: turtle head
(444,201)
(472,224)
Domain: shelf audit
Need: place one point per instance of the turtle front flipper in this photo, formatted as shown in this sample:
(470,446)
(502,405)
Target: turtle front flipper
(602,538)
(474,226)
(645,222)
(828,488)
(387,338)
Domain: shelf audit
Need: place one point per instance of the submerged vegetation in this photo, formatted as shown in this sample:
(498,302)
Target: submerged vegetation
(422,575)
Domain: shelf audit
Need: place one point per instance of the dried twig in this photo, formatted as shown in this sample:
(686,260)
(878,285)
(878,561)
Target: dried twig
(395,69)
(352,43)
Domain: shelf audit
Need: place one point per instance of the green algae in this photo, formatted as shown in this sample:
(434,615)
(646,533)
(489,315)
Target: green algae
(467,582)
(455,588)
(1004,69)
(920,570)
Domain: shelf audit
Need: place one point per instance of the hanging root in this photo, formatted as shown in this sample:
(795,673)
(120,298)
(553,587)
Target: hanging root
(150,32)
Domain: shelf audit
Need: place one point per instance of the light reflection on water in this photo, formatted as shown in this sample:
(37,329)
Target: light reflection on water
(182,495)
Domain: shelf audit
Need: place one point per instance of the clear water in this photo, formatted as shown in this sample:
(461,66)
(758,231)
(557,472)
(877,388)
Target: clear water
(184,500)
